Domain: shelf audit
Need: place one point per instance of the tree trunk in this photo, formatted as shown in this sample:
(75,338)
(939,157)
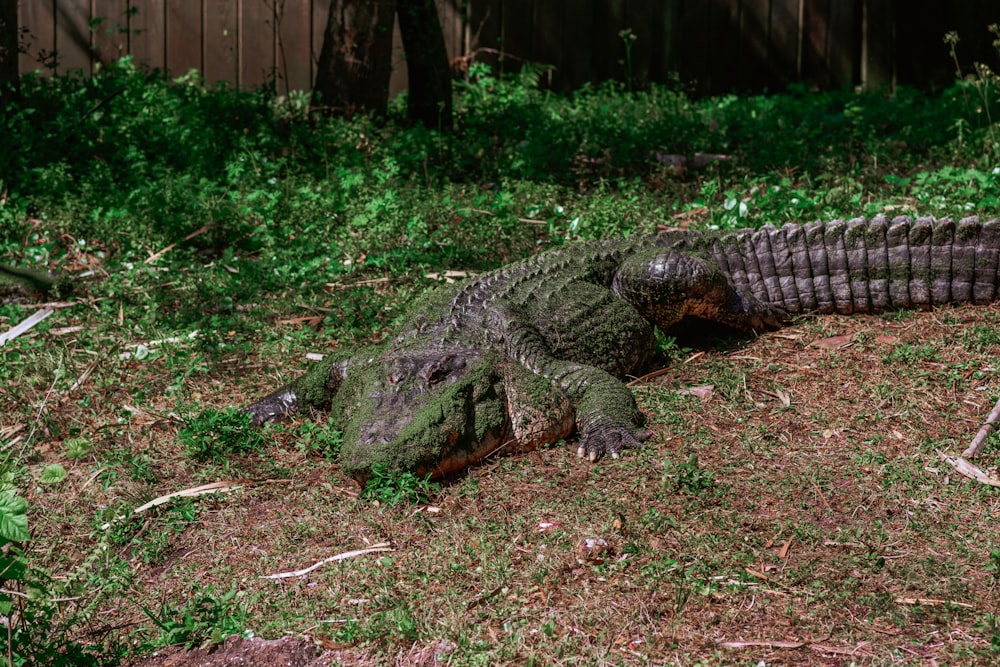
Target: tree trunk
(9,79)
(429,97)
(356,59)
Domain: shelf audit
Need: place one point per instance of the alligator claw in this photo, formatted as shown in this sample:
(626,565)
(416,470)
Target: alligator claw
(609,440)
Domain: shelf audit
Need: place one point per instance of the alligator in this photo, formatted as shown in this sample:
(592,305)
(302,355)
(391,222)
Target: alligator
(527,354)
(14,280)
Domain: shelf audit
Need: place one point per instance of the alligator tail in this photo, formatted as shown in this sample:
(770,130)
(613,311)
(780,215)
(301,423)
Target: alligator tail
(864,267)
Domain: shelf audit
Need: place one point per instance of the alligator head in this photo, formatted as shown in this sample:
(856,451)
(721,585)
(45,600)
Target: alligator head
(434,411)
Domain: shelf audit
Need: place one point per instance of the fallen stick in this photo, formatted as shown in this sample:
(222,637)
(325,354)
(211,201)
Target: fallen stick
(25,325)
(156,255)
(214,487)
(384,546)
(977,443)
(934,602)
(963,467)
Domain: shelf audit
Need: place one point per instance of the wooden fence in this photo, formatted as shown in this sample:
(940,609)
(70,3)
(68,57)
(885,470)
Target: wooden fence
(714,45)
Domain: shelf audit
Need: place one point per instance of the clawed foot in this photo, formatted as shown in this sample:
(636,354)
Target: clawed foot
(748,313)
(609,440)
(276,405)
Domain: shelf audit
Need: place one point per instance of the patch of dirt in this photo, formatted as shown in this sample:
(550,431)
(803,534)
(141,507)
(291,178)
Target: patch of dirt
(291,652)
(795,513)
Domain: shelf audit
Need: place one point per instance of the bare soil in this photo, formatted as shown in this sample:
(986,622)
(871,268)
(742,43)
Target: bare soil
(792,509)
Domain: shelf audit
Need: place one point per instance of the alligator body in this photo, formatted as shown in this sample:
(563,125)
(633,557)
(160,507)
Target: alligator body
(31,281)
(524,355)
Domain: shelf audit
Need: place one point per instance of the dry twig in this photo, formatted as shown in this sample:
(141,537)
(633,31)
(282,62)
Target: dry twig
(384,546)
(214,487)
(25,325)
(977,443)
(963,467)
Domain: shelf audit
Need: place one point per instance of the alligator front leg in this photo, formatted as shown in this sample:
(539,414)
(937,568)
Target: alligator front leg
(316,388)
(606,415)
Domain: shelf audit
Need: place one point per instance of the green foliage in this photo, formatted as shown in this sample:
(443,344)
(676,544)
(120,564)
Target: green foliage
(393,487)
(52,474)
(77,448)
(33,621)
(188,208)
(206,617)
(13,518)
(215,434)
(322,438)
(689,476)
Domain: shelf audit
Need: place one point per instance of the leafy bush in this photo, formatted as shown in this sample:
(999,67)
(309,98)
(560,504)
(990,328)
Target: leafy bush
(214,434)
(207,617)
(34,626)
(393,487)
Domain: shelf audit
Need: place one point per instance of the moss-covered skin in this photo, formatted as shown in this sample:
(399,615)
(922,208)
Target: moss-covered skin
(30,281)
(518,357)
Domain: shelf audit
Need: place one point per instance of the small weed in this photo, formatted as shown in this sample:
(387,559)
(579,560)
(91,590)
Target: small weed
(137,465)
(350,632)
(991,625)
(215,434)
(319,438)
(994,567)
(689,476)
(909,353)
(207,618)
(77,448)
(393,487)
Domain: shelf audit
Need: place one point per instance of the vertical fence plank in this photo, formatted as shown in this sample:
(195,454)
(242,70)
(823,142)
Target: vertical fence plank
(578,35)
(606,45)
(694,44)
(516,34)
(920,52)
(73,39)
(664,37)
(147,38)
(400,78)
(256,53)
(294,72)
(183,37)
(783,46)
(814,42)
(755,26)
(639,19)
(40,40)
(547,45)
(843,51)
(484,30)
(726,68)
(319,11)
(452,20)
(110,30)
(221,42)
(879,65)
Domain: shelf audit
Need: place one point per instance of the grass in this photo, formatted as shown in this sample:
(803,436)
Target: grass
(795,512)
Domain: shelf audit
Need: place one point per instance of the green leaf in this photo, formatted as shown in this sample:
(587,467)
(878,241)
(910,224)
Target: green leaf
(53,474)
(13,518)
(12,568)
(78,447)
